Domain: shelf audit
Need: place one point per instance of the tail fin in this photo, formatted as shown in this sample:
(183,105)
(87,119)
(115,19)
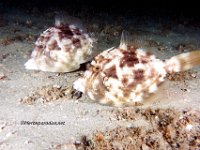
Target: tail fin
(123,42)
(183,61)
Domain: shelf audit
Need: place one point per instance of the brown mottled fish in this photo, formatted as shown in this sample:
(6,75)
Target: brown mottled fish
(127,74)
(61,48)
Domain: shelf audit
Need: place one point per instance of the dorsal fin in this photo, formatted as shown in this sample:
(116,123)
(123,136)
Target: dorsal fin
(62,18)
(123,43)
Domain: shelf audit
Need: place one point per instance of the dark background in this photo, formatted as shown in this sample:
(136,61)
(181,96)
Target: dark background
(143,7)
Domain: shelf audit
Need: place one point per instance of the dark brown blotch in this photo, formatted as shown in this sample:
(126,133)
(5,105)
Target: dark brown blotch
(66,32)
(131,85)
(54,46)
(76,42)
(139,74)
(144,61)
(111,72)
(124,81)
(40,46)
(77,31)
(129,59)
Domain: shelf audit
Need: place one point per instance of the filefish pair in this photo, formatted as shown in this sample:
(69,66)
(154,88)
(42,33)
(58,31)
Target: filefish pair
(117,76)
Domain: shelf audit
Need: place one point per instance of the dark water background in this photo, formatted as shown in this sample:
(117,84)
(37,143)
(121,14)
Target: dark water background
(139,7)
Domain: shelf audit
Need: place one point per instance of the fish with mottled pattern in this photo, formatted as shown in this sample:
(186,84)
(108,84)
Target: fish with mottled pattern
(61,48)
(127,74)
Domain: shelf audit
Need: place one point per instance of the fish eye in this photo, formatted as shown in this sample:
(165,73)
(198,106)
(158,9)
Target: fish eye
(96,68)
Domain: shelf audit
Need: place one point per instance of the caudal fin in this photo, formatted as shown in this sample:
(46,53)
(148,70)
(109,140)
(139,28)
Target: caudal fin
(183,61)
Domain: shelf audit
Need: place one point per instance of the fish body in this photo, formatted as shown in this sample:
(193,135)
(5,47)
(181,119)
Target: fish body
(60,49)
(127,74)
